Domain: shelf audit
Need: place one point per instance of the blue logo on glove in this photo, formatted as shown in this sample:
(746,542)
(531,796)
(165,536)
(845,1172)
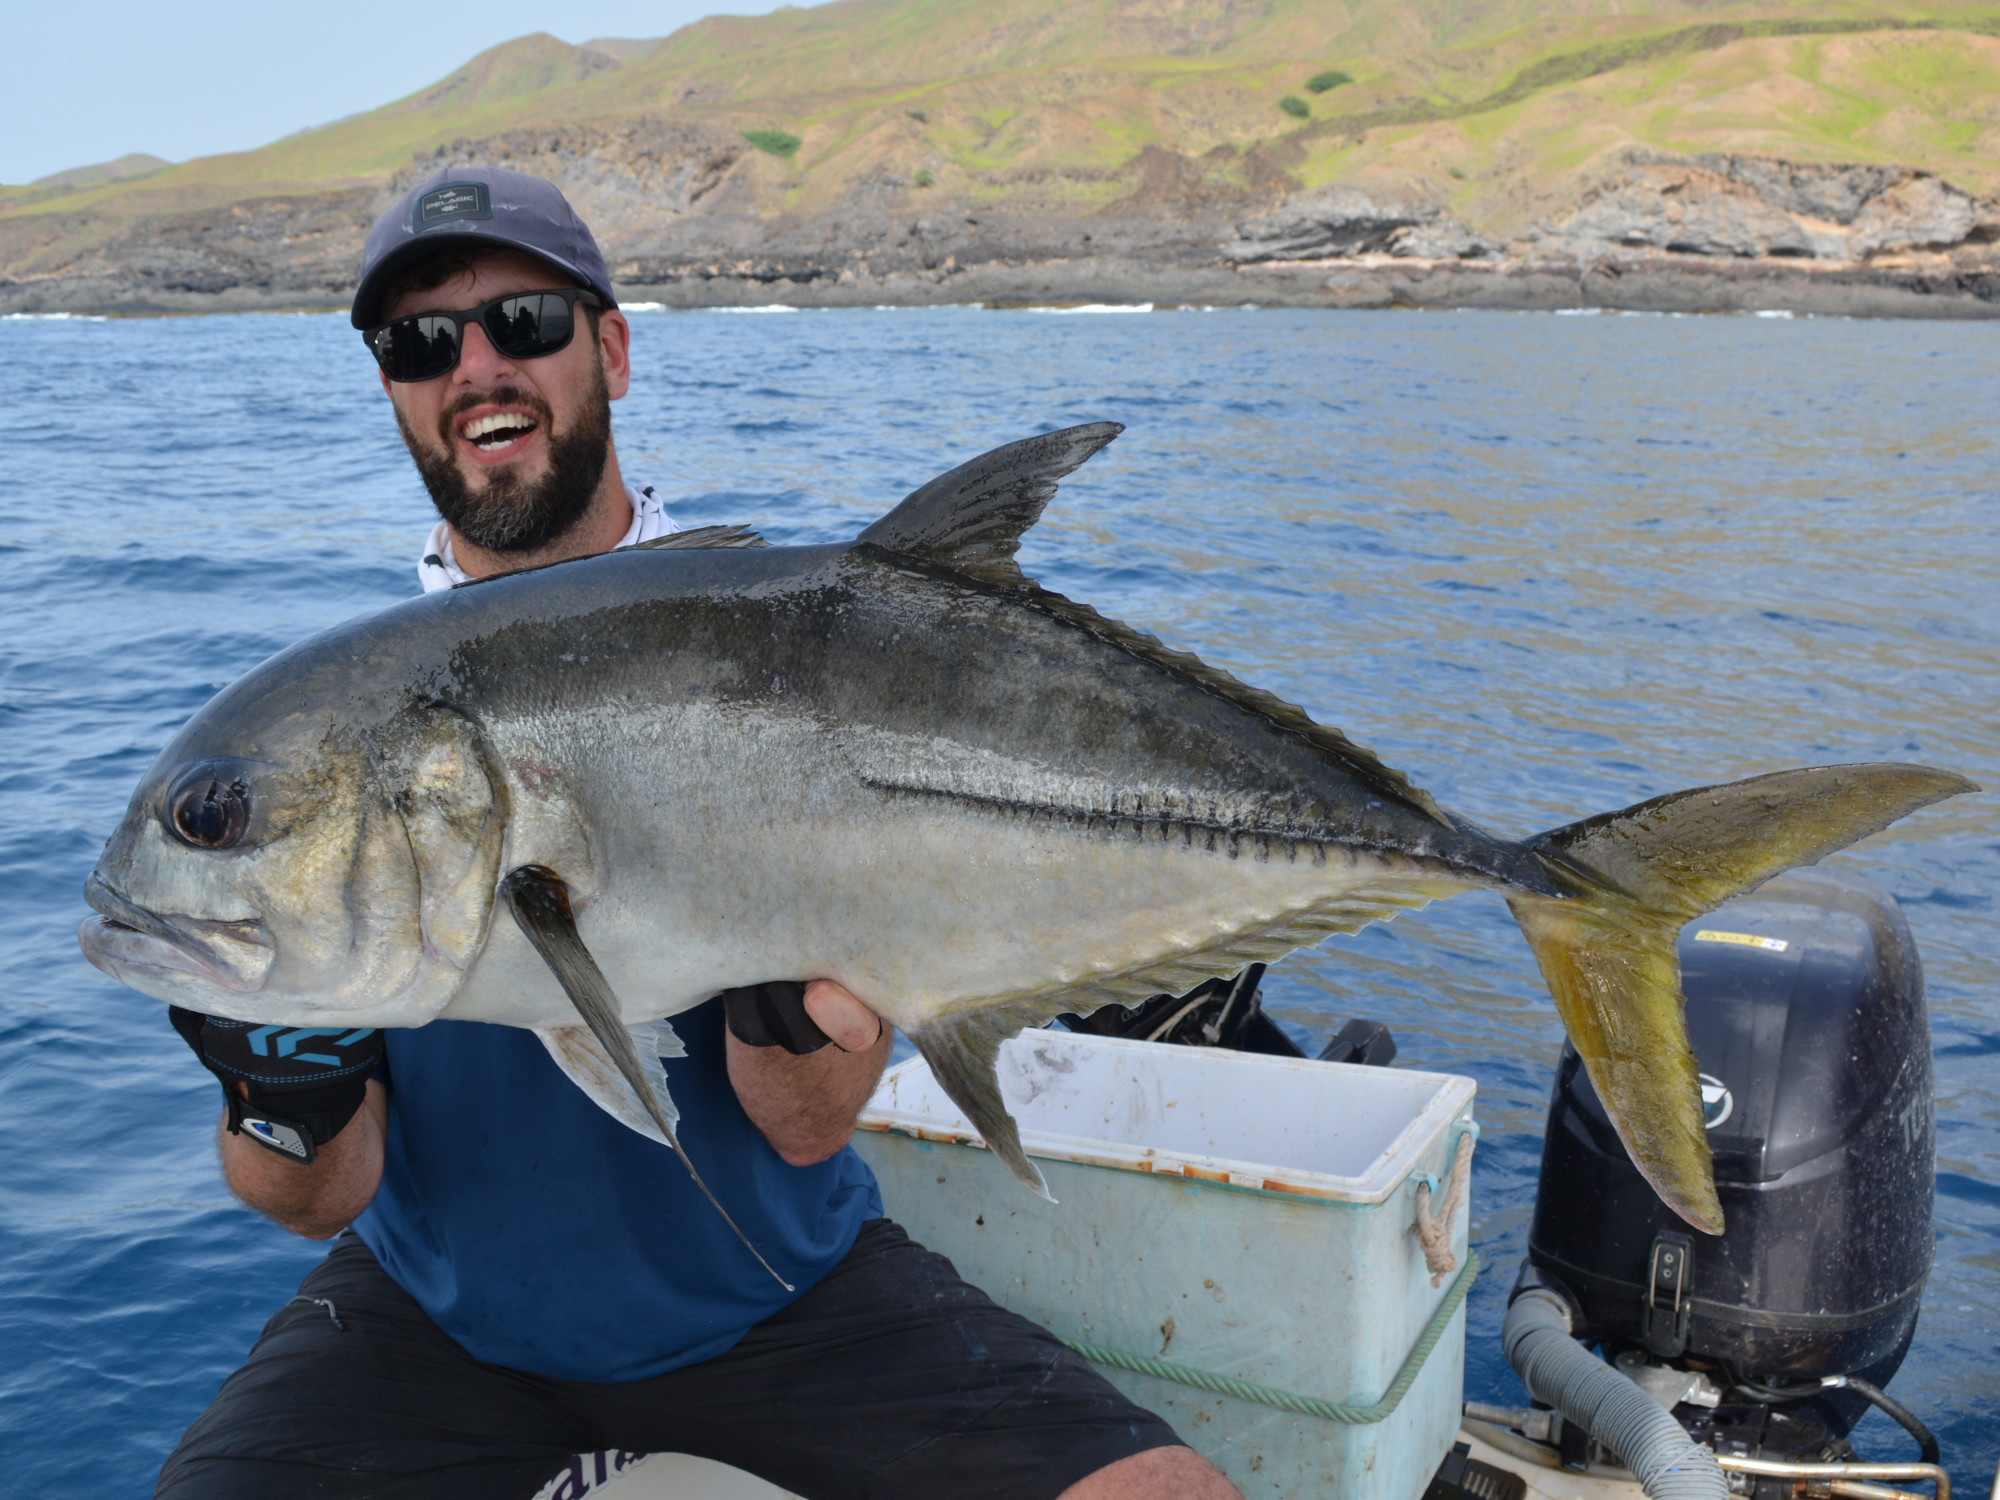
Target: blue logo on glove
(289,1037)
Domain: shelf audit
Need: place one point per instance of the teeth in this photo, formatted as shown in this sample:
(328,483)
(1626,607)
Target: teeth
(499,421)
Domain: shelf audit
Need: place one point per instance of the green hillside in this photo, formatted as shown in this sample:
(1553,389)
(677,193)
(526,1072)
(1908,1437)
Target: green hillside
(1496,106)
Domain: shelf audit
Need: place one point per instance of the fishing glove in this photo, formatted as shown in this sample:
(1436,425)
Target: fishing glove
(773,1015)
(305,1082)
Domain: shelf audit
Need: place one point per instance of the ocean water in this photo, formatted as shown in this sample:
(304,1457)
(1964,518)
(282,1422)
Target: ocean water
(1547,565)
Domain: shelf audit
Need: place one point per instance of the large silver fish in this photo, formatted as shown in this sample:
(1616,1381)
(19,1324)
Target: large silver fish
(893,762)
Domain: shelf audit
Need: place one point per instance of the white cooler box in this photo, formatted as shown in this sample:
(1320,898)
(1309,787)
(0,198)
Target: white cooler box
(1242,1216)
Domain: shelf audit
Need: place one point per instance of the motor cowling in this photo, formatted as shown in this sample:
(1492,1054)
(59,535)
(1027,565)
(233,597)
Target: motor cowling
(1805,1010)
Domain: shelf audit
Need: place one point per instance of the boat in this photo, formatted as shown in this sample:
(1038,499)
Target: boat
(1271,1250)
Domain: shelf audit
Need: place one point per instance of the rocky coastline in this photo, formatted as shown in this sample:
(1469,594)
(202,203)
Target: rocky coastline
(1665,283)
(681,228)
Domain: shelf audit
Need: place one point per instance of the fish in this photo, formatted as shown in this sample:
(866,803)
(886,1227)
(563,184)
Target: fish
(587,797)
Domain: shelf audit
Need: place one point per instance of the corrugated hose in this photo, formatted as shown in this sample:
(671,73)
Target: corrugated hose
(1605,1403)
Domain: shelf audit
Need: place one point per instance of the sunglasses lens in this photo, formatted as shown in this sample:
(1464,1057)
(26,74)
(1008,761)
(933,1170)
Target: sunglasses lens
(426,346)
(420,348)
(529,326)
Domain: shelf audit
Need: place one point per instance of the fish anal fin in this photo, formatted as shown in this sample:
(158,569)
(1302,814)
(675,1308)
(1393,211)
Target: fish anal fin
(963,1051)
(963,1048)
(971,519)
(1176,973)
(701,539)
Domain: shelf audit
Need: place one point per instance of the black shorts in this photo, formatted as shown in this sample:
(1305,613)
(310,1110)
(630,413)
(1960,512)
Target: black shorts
(890,1378)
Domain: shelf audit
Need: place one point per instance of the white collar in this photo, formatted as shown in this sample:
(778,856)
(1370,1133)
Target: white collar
(438,569)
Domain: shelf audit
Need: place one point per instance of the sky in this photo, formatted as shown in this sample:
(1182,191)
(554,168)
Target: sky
(94,79)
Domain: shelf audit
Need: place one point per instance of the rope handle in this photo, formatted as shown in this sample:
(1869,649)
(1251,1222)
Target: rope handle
(1434,1233)
(1349,1413)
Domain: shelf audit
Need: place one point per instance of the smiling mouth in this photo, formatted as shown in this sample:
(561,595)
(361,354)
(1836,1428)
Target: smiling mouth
(497,430)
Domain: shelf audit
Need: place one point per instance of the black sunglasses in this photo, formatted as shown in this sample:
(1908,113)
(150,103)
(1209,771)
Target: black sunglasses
(526,325)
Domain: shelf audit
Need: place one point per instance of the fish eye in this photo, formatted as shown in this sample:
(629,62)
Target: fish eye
(210,811)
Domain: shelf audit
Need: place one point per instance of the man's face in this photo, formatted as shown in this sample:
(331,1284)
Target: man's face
(512,451)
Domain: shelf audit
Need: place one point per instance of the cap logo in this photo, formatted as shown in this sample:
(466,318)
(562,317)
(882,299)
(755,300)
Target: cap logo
(455,200)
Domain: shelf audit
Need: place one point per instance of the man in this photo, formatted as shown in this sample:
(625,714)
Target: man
(525,1278)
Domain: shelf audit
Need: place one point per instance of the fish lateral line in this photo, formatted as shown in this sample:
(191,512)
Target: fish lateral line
(1136,823)
(539,901)
(1128,817)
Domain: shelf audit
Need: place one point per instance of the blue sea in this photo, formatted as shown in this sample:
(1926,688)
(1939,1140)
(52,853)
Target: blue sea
(1547,565)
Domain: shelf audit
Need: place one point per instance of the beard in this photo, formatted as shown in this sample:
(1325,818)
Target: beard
(508,513)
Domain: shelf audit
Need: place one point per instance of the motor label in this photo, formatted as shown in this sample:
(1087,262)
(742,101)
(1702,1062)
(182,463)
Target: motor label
(1717,1103)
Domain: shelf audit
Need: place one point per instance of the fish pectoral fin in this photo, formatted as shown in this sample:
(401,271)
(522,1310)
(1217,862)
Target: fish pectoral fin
(539,900)
(963,1051)
(971,519)
(540,903)
(587,1064)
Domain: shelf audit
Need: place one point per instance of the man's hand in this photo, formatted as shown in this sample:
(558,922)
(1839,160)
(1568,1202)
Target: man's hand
(319,1199)
(801,1092)
(291,1089)
(800,1018)
(302,1123)
(850,1025)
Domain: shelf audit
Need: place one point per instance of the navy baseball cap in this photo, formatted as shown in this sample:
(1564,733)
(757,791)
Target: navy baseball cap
(474,207)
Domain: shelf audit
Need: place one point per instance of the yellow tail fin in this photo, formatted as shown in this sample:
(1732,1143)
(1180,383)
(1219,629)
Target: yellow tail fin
(1631,880)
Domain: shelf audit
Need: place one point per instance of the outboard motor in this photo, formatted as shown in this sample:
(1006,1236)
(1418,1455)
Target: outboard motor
(1805,1007)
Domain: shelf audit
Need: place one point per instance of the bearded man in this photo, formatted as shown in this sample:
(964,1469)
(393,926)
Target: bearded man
(519,1279)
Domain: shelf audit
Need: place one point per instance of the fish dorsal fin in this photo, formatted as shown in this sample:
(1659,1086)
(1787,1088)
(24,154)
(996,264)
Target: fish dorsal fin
(971,519)
(701,539)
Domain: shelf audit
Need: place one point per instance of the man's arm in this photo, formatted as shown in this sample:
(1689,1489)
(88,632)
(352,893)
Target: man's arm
(806,1106)
(316,1199)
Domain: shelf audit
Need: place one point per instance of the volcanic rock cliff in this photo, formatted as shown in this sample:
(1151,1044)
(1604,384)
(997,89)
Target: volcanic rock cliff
(1133,151)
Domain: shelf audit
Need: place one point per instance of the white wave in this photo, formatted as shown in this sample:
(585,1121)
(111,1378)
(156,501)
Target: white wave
(1098,307)
(632,307)
(1773,312)
(52,317)
(769,307)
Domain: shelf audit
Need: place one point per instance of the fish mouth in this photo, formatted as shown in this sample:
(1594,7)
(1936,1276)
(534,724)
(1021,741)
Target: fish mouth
(129,942)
